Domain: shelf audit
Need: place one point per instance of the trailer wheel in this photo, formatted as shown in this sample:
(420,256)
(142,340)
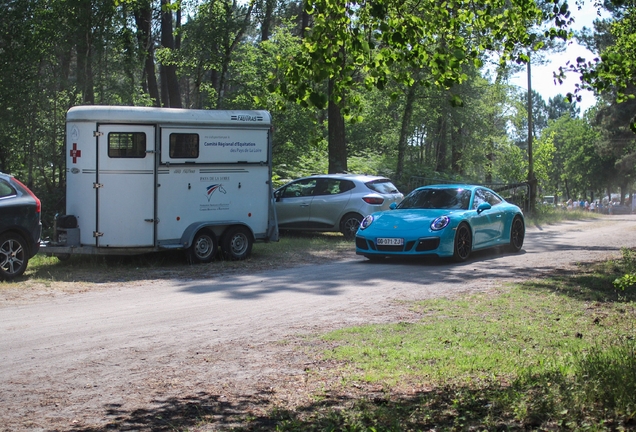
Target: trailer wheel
(203,248)
(13,256)
(237,243)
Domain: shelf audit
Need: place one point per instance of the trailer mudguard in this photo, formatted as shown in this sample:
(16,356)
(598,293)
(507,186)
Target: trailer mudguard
(218,227)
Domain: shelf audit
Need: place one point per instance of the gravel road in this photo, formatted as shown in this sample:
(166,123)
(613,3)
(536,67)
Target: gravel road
(143,356)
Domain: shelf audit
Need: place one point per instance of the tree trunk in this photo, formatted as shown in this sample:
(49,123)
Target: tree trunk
(228,48)
(404,132)
(143,19)
(457,149)
(532,179)
(173,94)
(336,130)
(304,21)
(440,154)
(267,19)
(84,52)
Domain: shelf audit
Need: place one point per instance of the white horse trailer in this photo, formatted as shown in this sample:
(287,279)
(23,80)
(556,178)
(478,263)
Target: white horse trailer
(142,179)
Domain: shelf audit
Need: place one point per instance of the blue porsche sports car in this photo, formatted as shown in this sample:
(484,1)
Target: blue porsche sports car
(443,220)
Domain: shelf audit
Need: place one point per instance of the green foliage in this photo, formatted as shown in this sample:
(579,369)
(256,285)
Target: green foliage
(612,69)
(374,37)
(617,63)
(315,162)
(626,281)
(628,264)
(544,155)
(511,165)
(575,160)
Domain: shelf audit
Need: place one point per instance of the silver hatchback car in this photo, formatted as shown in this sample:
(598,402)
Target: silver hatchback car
(333,202)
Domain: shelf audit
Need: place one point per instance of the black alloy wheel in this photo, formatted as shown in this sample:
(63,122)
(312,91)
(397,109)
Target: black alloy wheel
(517,234)
(463,243)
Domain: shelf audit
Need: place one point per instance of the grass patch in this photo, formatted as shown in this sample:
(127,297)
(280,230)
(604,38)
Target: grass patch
(551,354)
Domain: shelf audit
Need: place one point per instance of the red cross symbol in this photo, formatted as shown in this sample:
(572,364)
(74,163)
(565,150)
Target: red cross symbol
(75,153)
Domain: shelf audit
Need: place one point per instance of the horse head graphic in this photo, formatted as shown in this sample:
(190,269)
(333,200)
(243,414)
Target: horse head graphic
(213,188)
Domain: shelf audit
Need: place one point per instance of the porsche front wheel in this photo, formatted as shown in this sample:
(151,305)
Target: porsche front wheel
(463,243)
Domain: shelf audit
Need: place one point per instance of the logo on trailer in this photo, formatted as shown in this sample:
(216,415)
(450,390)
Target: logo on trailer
(213,188)
(75,153)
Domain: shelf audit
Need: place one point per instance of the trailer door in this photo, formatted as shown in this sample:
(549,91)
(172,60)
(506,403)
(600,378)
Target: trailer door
(125,186)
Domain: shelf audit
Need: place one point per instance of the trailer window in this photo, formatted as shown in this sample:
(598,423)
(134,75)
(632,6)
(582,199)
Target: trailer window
(184,146)
(127,145)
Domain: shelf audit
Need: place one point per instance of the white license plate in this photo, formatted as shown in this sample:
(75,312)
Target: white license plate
(390,241)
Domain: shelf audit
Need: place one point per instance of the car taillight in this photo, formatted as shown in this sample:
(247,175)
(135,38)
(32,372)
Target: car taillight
(38,204)
(373,200)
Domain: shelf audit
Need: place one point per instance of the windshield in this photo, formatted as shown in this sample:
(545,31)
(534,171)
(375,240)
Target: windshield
(445,198)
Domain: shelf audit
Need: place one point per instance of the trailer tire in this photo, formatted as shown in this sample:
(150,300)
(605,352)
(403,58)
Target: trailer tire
(203,248)
(237,243)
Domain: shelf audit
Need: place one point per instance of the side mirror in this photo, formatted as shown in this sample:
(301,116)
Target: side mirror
(482,207)
(393,206)
(277,195)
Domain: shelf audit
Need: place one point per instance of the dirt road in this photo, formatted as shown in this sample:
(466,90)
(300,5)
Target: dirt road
(162,355)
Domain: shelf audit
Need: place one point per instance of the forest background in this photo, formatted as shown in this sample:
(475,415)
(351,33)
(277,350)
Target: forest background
(402,89)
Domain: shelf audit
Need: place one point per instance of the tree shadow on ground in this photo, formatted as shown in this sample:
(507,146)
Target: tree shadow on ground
(593,282)
(546,401)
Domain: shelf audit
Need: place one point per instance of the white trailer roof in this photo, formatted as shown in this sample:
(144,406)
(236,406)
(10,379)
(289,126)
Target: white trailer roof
(135,114)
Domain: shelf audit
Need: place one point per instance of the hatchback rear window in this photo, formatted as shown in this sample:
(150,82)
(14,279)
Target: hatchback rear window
(382,186)
(6,190)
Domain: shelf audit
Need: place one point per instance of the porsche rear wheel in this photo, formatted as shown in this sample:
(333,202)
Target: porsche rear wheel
(517,234)
(463,243)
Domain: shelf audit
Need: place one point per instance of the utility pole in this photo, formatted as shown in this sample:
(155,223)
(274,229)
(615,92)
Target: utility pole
(532,180)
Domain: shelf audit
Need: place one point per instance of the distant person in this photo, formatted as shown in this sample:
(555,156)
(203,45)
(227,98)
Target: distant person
(592,206)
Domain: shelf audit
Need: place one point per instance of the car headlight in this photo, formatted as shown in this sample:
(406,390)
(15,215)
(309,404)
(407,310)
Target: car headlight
(440,223)
(366,222)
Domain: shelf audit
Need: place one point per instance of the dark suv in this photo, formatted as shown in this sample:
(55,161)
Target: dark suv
(20,226)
